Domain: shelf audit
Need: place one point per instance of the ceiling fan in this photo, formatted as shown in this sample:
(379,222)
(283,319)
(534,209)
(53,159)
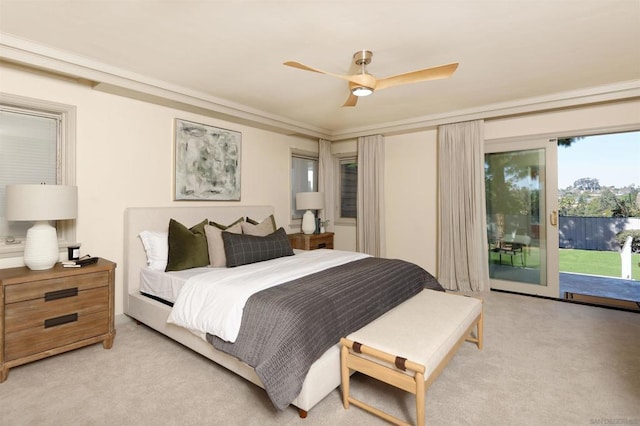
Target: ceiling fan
(364,84)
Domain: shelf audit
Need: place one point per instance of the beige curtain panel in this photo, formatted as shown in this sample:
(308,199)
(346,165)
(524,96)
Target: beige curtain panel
(327,182)
(462,254)
(370,216)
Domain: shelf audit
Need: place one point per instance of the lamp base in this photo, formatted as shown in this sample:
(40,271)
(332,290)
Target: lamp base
(41,247)
(308,222)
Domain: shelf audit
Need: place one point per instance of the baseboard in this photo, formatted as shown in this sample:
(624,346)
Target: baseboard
(605,301)
(598,302)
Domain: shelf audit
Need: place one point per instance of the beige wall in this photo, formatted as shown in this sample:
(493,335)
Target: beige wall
(125,159)
(411,197)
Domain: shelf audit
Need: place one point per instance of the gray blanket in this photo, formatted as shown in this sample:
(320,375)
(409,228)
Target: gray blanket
(286,328)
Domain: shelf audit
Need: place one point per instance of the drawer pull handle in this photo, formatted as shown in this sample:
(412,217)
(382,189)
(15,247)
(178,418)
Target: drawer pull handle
(322,245)
(60,294)
(64,319)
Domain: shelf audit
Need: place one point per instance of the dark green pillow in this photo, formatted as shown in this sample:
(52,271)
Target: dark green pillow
(187,247)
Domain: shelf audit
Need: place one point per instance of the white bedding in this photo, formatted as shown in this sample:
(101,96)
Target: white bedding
(166,285)
(213,302)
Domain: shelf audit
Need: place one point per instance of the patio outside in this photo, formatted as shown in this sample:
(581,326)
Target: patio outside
(588,287)
(599,209)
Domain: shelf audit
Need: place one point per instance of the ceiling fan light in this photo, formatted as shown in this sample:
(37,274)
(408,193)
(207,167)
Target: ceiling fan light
(361,91)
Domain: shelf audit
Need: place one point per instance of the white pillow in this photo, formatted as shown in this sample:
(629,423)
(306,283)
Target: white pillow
(156,245)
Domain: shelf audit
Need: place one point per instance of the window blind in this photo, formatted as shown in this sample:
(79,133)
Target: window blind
(304,178)
(28,154)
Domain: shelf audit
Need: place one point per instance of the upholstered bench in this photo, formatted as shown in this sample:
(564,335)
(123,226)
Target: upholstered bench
(409,346)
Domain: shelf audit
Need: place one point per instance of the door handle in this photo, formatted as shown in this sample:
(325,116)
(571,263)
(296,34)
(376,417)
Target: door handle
(553,218)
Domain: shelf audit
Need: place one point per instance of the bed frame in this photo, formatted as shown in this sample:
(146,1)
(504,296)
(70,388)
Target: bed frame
(324,375)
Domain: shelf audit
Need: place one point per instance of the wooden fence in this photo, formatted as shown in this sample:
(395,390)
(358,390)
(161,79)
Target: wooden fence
(593,233)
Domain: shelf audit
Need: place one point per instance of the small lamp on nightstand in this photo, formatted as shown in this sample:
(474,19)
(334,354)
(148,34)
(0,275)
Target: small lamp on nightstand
(41,203)
(309,201)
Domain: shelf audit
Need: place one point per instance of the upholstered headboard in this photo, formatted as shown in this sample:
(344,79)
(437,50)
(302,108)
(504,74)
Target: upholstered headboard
(139,219)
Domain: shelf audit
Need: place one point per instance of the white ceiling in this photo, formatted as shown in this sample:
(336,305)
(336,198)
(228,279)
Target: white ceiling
(230,53)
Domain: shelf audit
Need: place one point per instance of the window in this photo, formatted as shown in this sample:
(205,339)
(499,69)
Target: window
(36,146)
(348,188)
(304,178)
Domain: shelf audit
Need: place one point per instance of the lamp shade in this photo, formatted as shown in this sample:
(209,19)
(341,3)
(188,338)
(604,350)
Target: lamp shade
(41,202)
(310,200)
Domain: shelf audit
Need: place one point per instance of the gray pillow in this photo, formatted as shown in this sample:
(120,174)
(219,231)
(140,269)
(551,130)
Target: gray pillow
(260,229)
(242,249)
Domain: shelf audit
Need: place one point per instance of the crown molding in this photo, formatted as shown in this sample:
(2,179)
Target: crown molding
(569,99)
(125,83)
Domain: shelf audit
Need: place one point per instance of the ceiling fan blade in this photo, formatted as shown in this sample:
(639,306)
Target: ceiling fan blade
(362,79)
(298,65)
(433,73)
(351,101)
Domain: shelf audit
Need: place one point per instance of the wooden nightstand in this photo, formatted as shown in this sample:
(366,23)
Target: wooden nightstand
(311,241)
(44,313)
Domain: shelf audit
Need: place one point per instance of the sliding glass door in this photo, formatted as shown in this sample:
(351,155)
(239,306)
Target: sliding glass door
(520,185)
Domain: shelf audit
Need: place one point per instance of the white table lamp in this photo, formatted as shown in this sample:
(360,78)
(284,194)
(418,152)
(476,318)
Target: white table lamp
(41,203)
(309,201)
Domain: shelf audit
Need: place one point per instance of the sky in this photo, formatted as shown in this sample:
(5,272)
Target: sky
(613,159)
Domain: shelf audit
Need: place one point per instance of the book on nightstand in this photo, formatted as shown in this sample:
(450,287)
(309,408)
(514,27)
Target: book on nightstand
(79,263)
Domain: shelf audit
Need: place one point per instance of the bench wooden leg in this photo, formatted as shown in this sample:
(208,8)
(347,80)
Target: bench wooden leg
(420,401)
(344,375)
(479,326)
(480,330)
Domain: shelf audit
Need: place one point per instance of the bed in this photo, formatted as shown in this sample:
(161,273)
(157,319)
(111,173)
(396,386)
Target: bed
(324,374)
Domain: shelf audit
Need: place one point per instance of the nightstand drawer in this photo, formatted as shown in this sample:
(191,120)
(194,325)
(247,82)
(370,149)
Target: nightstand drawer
(54,287)
(57,332)
(321,242)
(34,313)
(311,241)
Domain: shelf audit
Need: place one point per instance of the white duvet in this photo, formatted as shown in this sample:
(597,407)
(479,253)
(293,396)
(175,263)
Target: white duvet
(213,302)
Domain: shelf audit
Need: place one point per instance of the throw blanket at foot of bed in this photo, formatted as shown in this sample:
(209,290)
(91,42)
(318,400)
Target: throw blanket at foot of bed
(286,328)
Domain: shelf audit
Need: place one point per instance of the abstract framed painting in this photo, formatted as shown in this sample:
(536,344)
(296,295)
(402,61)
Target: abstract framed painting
(207,162)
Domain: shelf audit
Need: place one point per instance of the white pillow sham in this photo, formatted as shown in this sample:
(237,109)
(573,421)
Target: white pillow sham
(156,246)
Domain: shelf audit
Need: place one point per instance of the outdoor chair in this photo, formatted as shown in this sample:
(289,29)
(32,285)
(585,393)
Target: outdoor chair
(512,246)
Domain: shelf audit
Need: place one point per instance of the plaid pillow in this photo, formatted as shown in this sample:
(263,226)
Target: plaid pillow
(242,249)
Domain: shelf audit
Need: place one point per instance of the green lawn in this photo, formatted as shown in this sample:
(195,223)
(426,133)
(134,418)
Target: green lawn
(591,262)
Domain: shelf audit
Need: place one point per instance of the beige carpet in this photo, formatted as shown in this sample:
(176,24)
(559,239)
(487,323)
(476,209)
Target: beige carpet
(544,363)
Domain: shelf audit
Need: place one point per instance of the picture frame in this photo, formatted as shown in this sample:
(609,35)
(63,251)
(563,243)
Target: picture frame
(207,162)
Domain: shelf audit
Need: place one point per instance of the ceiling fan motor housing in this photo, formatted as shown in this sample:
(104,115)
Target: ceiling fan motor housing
(362,57)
